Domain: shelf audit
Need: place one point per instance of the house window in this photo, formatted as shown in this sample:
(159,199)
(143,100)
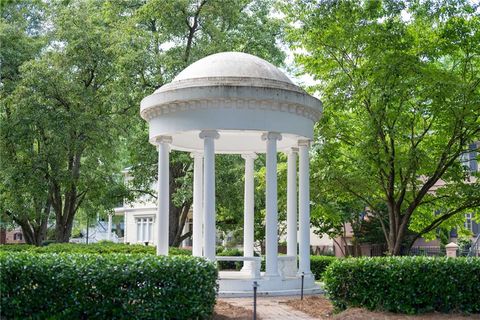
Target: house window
(469,158)
(144,229)
(468,221)
(473,164)
(18,236)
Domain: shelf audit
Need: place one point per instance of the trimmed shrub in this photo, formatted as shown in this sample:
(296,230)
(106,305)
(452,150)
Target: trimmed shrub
(318,265)
(101,247)
(112,286)
(405,284)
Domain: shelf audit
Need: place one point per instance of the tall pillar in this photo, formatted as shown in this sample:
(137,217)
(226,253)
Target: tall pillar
(271,227)
(292,202)
(248,209)
(304,207)
(125,227)
(163,194)
(209,237)
(197,204)
(109,227)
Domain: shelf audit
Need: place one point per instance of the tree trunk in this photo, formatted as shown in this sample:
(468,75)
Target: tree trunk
(182,219)
(34,231)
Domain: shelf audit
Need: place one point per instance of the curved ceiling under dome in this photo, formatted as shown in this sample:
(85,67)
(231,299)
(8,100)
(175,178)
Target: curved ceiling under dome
(238,94)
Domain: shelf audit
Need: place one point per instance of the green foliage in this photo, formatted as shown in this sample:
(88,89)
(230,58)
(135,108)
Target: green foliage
(115,286)
(230,265)
(400,83)
(405,284)
(318,265)
(96,248)
(73,75)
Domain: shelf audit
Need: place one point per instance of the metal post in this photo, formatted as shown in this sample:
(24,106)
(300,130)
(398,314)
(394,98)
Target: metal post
(255,286)
(301,294)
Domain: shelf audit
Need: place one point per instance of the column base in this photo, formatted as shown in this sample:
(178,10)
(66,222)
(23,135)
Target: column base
(271,276)
(307,275)
(247,266)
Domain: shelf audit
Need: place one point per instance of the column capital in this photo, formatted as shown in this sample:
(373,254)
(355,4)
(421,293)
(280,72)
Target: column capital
(209,134)
(304,143)
(251,155)
(196,155)
(162,139)
(292,150)
(271,136)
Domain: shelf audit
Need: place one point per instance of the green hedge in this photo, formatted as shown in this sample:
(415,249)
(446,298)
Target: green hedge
(230,265)
(318,265)
(102,247)
(405,284)
(112,286)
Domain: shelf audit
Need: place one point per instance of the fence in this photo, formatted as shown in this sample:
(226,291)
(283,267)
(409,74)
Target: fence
(425,251)
(322,250)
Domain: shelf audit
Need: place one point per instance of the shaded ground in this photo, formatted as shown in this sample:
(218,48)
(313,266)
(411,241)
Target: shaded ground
(319,307)
(227,311)
(316,306)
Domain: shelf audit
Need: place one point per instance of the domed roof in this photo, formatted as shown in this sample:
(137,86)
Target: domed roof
(232,64)
(240,96)
(231,68)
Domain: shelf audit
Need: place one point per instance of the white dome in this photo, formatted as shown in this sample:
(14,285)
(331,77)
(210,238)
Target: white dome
(231,68)
(238,95)
(232,64)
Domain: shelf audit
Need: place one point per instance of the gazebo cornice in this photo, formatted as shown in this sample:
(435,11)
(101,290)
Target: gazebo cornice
(228,97)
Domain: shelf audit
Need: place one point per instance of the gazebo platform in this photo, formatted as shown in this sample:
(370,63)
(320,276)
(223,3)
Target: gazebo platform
(240,284)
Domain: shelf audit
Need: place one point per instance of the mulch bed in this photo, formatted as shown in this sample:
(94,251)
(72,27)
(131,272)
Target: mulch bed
(226,311)
(316,306)
(321,308)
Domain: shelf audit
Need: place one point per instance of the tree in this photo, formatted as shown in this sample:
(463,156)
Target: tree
(400,85)
(59,122)
(156,42)
(22,198)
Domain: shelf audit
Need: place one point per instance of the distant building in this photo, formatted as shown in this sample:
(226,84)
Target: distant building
(14,236)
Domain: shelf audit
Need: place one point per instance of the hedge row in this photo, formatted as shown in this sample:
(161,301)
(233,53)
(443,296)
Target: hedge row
(405,284)
(318,265)
(101,247)
(113,286)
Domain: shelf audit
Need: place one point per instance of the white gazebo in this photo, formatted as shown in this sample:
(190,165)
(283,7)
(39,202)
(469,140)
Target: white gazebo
(236,103)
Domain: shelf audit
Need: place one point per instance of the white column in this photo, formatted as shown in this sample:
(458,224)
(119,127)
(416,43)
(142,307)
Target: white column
(197,203)
(209,237)
(109,227)
(147,230)
(271,228)
(292,202)
(304,207)
(125,227)
(248,209)
(163,194)
(141,233)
